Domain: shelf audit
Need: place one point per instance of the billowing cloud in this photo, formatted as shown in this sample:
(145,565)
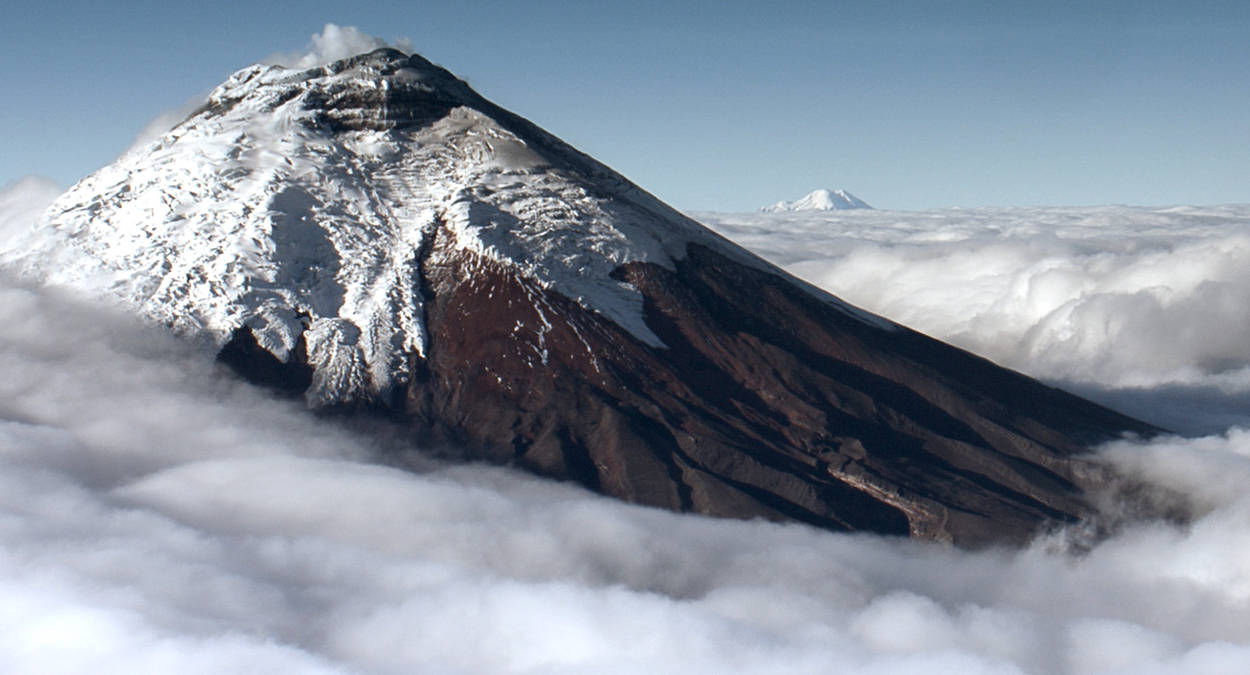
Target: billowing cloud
(158,516)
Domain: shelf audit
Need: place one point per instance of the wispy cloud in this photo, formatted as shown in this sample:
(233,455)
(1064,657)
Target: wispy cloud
(21,202)
(332,44)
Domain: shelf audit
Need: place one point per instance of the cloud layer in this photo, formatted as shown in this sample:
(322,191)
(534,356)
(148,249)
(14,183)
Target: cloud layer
(158,516)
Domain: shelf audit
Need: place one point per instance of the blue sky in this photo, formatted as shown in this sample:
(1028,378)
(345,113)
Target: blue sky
(724,106)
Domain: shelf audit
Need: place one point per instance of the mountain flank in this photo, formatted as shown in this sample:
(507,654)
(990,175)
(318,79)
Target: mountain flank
(374,234)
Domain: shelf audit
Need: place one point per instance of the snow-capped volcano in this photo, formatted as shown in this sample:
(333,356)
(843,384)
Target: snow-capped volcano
(820,200)
(375,231)
(296,203)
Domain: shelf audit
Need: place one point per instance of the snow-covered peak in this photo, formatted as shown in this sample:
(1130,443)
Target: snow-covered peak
(820,200)
(379,90)
(298,203)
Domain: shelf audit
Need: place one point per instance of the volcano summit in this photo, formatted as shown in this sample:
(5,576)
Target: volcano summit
(374,233)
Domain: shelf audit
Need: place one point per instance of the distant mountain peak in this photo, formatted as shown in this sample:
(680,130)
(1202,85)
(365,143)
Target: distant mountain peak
(820,200)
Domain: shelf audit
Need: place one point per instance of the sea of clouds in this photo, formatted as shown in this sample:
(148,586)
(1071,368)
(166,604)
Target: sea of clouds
(157,515)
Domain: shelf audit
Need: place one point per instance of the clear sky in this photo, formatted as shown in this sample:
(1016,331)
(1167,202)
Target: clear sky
(720,105)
